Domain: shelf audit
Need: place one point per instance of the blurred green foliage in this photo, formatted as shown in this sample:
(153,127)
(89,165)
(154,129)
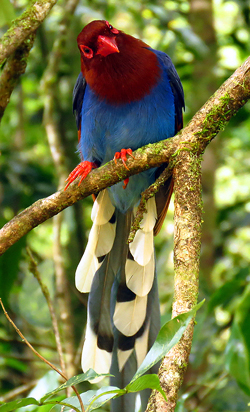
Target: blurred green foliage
(220,358)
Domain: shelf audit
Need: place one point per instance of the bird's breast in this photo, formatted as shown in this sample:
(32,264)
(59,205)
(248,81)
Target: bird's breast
(109,128)
(124,77)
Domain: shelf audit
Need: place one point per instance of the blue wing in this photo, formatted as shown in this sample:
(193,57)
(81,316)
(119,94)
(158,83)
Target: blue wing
(163,196)
(176,87)
(78,95)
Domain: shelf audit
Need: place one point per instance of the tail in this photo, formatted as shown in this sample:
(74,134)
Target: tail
(123,307)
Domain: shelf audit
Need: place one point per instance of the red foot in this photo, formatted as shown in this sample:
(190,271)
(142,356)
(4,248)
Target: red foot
(123,156)
(82,170)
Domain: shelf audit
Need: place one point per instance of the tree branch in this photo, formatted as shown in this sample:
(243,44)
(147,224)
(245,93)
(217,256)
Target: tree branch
(23,26)
(13,68)
(204,126)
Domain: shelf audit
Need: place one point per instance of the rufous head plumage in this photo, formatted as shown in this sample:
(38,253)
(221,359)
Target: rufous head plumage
(118,67)
(98,37)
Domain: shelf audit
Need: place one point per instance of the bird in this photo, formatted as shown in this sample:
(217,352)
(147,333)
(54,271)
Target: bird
(126,96)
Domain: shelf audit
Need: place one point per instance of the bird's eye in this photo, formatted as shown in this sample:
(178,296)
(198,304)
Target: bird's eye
(111,28)
(87,51)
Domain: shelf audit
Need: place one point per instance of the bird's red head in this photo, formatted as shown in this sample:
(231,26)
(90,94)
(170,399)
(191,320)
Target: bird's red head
(117,66)
(98,37)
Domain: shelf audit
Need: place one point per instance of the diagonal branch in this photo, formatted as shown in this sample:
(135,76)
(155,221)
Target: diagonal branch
(23,26)
(204,126)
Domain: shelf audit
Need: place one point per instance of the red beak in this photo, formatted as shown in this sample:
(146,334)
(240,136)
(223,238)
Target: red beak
(106,46)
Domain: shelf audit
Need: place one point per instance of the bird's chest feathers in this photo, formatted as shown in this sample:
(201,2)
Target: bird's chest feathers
(108,128)
(122,119)
(124,78)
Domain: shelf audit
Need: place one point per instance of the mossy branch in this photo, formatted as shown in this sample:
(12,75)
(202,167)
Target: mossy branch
(23,26)
(15,46)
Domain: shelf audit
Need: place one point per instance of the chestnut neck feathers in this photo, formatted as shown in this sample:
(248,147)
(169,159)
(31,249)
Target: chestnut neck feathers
(119,77)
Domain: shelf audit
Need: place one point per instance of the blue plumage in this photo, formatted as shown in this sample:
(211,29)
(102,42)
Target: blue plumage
(107,128)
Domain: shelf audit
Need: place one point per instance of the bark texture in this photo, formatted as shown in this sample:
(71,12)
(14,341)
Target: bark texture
(188,213)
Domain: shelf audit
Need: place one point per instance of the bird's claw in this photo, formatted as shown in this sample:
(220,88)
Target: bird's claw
(82,170)
(123,156)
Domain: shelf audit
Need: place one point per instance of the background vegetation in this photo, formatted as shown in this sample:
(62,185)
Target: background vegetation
(207,42)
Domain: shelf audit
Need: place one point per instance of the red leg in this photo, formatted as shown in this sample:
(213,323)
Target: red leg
(82,170)
(125,183)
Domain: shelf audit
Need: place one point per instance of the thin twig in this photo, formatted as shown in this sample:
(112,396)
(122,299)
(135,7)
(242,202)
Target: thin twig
(40,356)
(29,345)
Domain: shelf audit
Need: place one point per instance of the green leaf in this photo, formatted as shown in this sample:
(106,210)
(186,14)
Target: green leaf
(168,336)
(87,376)
(104,395)
(63,403)
(74,402)
(146,382)
(12,406)
(94,399)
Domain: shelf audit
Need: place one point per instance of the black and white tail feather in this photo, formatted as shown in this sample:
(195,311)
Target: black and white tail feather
(123,307)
